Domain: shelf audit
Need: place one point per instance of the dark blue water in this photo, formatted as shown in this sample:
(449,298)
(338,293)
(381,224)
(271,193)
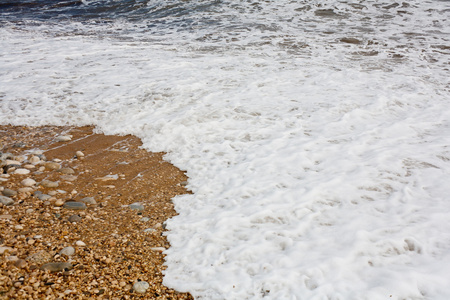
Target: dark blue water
(54,10)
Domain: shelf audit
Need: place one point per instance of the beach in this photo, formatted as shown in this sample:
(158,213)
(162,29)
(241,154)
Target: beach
(100,247)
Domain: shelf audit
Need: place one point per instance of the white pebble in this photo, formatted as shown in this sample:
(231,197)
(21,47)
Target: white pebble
(79,154)
(141,287)
(28,182)
(12,162)
(63,138)
(80,243)
(35,160)
(21,171)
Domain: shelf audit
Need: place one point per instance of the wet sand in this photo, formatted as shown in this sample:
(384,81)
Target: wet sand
(115,246)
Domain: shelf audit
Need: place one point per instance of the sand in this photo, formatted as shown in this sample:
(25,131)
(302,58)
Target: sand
(112,250)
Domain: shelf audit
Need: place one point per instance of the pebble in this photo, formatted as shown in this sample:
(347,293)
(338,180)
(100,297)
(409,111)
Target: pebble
(44,197)
(40,257)
(52,165)
(18,227)
(20,263)
(74,218)
(57,266)
(35,160)
(141,287)
(28,166)
(12,162)
(69,251)
(136,206)
(67,171)
(63,138)
(6,200)
(89,200)
(49,184)
(59,202)
(4,249)
(21,171)
(144,219)
(5,217)
(28,182)
(9,192)
(52,193)
(150,230)
(75,205)
(79,154)
(29,211)
(25,189)
(80,243)
(68,177)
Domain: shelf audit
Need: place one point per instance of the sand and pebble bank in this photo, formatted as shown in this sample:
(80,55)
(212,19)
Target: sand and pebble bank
(82,215)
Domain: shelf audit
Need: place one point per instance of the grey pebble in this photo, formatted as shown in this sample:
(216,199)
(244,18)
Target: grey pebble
(69,251)
(74,218)
(43,197)
(141,287)
(68,171)
(6,201)
(89,200)
(9,192)
(144,219)
(57,266)
(49,184)
(74,205)
(137,206)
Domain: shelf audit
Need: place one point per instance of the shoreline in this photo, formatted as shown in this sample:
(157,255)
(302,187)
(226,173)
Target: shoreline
(116,246)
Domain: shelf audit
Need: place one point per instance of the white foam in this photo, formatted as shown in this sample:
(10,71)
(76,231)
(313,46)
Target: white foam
(318,172)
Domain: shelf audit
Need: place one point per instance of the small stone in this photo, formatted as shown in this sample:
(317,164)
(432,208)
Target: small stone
(10,162)
(144,219)
(31,241)
(79,154)
(80,243)
(52,165)
(68,251)
(5,217)
(44,197)
(75,205)
(29,167)
(12,258)
(29,211)
(57,266)
(89,200)
(18,227)
(49,184)
(141,287)
(150,230)
(4,249)
(59,202)
(68,177)
(136,206)
(74,218)
(20,158)
(28,182)
(6,200)
(67,171)
(40,257)
(63,138)
(26,189)
(9,192)
(52,193)
(35,160)
(21,171)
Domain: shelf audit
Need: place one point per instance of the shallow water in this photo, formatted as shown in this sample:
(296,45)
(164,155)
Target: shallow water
(315,133)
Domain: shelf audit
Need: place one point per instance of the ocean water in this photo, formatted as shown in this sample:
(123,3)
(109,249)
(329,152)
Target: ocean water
(315,134)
